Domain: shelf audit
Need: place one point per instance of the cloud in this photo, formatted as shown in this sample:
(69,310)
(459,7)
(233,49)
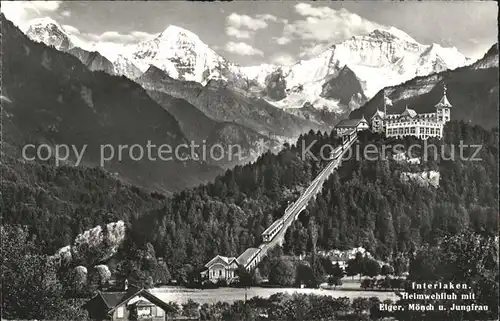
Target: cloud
(283,59)
(128,38)
(245,26)
(20,12)
(132,37)
(238,33)
(324,24)
(267,17)
(71,30)
(66,13)
(245,21)
(243,49)
(313,49)
(476,49)
(109,43)
(282,40)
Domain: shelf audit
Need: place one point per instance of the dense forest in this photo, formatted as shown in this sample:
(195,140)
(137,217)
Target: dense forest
(58,203)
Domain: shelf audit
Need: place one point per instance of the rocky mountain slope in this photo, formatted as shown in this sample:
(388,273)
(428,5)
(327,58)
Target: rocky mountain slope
(489,60)
(222,103)
(55,99)
(472,90)
(210,133)
(51,33)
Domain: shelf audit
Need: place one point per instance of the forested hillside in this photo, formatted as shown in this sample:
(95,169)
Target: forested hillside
(54,99)
(58,203)
(365,204)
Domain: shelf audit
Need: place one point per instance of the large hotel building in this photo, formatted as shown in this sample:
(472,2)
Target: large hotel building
(411,123)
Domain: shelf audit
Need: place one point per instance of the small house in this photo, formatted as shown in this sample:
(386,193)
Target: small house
(351,124)
(133,304)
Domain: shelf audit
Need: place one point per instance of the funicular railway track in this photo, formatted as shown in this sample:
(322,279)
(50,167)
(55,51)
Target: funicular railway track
(275,233)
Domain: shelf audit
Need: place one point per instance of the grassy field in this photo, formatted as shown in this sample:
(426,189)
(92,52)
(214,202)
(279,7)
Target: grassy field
(180,294)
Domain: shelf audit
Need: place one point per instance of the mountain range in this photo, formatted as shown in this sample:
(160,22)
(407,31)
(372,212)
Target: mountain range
(53,98)
(338,80)
(175,89)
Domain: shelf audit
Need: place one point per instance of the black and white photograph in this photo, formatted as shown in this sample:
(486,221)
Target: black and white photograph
(249,160)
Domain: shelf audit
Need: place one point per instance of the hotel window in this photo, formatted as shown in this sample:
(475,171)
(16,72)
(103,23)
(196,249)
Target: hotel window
(119,312)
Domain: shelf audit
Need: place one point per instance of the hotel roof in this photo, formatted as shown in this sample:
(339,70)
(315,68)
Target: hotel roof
(444,102)
(379,113)
(409,112)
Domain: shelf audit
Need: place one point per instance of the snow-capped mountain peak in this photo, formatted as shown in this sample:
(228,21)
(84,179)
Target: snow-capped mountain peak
(173,31)
(46,22)
(400,34)
(50,32)
(450,55)
(180,53)
(390,34)
(384,57)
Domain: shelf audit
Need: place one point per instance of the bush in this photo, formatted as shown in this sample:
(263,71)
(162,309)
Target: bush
(366,284)
(222,283)
(386,270)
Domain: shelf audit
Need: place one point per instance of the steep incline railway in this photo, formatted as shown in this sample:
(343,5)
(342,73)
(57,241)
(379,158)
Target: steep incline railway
(275,233)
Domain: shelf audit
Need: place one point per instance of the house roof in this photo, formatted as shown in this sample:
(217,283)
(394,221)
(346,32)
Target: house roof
(246,256)
(113,300)
(225,259)
(348,123)
(142,303)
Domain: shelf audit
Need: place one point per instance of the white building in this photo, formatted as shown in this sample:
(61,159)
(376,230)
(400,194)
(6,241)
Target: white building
(220,268)
(349,124)
(411,123)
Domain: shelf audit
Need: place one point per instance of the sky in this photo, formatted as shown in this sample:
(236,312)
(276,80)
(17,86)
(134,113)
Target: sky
(256,32)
